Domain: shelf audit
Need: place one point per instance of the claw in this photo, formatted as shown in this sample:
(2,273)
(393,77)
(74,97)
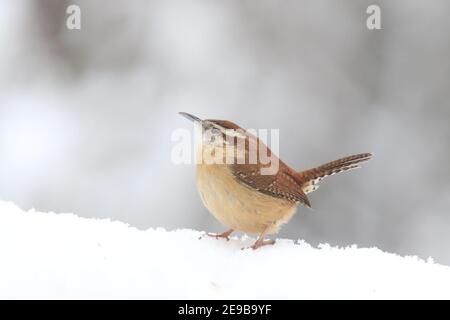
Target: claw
(217,236)
(225,235)
(259,244)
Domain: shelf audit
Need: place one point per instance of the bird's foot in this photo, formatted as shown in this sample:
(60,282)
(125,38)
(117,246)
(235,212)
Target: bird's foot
(261,243)
(225,235)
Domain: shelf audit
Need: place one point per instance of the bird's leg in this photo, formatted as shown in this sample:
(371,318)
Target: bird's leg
(225,235)
(261,242)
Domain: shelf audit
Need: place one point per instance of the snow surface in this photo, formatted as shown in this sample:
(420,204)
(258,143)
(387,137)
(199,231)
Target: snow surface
(48,255)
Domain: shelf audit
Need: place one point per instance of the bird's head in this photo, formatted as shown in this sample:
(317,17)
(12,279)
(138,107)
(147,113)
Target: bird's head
(218,141)
(216,132)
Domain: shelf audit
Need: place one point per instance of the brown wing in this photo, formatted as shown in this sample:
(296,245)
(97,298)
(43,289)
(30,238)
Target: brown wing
(279,185)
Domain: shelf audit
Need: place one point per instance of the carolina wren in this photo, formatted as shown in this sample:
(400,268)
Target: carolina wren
(239,194)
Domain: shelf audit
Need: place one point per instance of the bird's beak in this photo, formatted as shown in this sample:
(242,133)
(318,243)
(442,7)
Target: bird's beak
(191,117)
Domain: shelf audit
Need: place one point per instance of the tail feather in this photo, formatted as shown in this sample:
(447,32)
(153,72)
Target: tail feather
(309,178)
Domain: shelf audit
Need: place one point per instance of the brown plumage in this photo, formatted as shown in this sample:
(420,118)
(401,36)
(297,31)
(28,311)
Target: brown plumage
(246,200)
(309,178)
(287,183)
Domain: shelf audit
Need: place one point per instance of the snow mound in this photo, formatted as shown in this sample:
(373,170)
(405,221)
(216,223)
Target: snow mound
(47,255)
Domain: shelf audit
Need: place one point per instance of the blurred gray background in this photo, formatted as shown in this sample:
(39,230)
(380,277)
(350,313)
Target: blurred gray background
(86,115)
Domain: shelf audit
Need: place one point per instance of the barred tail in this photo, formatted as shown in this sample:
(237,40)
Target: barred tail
(311,177)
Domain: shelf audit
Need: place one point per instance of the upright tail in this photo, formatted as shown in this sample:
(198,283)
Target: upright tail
(309,178)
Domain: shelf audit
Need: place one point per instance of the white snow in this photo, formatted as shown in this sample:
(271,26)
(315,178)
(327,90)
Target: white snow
(47,255)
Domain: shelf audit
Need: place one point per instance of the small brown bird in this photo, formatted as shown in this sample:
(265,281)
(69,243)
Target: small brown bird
(238,192)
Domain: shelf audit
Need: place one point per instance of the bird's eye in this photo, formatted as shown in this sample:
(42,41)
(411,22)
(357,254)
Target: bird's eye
(215,131)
